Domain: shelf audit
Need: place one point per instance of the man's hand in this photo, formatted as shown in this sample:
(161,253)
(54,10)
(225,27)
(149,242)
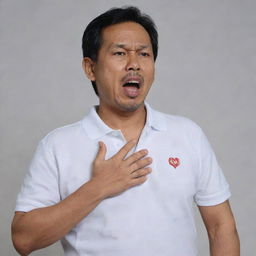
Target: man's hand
(118,173)
(43,226)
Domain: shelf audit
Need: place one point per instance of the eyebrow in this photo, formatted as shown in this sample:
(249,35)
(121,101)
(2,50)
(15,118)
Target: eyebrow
(124,46)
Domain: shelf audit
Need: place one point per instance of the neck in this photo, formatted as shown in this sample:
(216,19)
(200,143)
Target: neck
(130,123)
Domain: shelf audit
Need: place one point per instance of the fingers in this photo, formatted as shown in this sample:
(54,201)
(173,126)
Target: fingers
(138,181)
(101,152)
(141,164)
(125,149)
(136,156)
(141,172)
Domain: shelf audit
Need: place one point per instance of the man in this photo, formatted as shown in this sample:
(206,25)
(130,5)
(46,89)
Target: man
(123,180)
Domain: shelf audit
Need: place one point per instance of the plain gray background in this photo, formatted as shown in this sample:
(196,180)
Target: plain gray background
(205,71)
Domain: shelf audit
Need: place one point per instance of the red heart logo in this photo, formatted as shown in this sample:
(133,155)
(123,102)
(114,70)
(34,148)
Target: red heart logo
(175,162)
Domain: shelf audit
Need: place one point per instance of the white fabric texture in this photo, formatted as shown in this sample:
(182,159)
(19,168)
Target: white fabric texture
(155,218)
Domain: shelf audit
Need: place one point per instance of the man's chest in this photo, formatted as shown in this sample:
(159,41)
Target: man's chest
(174,167)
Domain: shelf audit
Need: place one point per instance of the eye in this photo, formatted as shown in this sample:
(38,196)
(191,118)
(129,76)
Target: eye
(119,53)
(144,54)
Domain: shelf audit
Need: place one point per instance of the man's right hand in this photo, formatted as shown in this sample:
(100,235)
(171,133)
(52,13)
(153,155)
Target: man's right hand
(41,227)
(118,173)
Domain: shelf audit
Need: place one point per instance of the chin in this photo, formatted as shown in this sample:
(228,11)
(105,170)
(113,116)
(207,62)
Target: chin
(130,106)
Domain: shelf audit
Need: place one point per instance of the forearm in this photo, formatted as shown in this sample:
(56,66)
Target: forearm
(42,227)
(224,241)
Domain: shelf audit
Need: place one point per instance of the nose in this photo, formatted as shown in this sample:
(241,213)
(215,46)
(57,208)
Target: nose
(132,61)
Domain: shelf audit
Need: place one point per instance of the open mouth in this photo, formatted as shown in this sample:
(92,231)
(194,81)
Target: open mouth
(132,84)
(131,88)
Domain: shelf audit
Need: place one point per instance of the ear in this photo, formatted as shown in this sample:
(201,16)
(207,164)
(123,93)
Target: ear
(88,67)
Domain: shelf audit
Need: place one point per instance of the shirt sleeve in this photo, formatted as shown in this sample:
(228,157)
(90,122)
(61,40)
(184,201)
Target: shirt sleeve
(40,187)
(212,187)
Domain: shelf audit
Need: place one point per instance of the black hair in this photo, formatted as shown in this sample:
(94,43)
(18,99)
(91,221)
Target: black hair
(92,40)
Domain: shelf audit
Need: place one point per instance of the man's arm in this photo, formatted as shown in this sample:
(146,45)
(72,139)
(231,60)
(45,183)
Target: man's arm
(42,227)
(221,228)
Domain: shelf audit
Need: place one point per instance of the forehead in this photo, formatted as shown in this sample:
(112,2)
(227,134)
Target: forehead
(129,33)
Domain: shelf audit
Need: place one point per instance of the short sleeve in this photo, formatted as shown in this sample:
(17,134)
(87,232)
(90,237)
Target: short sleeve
(40,187)
(212,187)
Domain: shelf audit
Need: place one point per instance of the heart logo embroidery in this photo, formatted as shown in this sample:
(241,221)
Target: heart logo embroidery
(175,162)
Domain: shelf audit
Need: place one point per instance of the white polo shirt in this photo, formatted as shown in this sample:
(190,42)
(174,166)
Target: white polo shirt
(154,218)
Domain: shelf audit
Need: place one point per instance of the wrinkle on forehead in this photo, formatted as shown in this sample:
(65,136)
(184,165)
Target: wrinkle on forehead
(127,35)
(129,47)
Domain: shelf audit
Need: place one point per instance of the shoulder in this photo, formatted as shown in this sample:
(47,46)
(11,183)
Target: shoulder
(62,135)
(176,123)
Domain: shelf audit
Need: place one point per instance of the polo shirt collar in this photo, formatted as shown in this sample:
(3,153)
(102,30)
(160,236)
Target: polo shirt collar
(96,128)
(155,119)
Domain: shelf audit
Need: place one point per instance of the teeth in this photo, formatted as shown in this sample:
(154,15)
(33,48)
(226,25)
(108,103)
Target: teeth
(133,82)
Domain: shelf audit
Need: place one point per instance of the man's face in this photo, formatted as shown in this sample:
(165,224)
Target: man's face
(124,70)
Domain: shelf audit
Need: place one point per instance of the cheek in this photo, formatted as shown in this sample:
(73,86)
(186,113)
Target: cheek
(151,71)
(104,75)
(111,71)
(108,81)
